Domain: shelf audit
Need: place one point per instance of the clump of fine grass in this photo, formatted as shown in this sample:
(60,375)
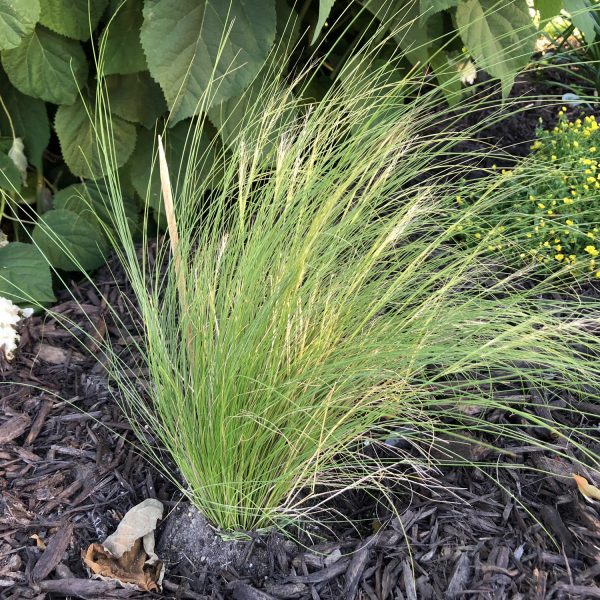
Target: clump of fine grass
(318,305)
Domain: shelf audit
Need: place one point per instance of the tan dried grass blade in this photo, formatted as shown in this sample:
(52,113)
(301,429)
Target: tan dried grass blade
(165,183)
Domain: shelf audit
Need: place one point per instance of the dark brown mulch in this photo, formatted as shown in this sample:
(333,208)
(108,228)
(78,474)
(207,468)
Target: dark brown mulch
(68,476)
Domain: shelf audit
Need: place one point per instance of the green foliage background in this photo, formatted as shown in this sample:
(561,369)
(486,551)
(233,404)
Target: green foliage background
(159,56)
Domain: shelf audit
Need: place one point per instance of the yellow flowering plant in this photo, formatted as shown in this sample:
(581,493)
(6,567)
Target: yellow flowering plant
(551,218)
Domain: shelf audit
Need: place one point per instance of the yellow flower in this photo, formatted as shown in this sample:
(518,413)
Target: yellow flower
(559,257)
(569,222)
(593,149)
(550,213)
(598,274)
(567,200)
(478,236)
(541,205)
(591,235)
(553,157)
(592,250)
(558,247)
(575,144)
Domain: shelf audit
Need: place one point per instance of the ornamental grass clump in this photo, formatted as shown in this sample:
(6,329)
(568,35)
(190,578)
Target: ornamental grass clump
(314,326)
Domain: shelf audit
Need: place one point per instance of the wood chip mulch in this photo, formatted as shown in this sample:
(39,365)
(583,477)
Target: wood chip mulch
(69,471)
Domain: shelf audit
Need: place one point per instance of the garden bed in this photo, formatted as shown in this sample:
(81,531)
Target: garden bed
(62,469)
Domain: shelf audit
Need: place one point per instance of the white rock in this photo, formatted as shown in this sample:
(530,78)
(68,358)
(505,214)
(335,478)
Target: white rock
(10,315)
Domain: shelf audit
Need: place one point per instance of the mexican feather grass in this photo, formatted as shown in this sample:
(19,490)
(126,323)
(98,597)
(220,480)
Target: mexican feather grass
(318,325)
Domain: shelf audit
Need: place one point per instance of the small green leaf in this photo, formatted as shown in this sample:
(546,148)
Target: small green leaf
(29,118)
(10,178)
(47,66)
(186,53)
(325,7)
(72,18)
(24,274)
(123,52)
(78,141)
(90,200)
(583,18)
(136,98)
(70,241)
(499,35)
(146,181)
(548,9)
(17,19)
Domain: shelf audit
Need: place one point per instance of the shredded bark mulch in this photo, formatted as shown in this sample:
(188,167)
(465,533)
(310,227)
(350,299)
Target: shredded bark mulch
(69,471)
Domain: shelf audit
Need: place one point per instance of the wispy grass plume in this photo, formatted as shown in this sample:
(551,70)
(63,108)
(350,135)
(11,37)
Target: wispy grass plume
(317,303)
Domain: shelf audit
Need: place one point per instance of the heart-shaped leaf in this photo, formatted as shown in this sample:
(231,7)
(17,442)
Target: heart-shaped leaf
(499,35)
(73,18)
(24,274)
(17,19)
(78,140)
(70,241)
(194,45)
(47,66)
(123,52)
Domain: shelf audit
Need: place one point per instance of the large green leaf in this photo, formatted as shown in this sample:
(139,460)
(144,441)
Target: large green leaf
(17,19)
(29,119)
(90,200)
(78,140)
(136,97)
(499,35)
(185,50)
(47,66)
(548,8)
(325,7)
(123,52)
(73,18)
(146,180)
(24,274)
(582,17)
(234,116)
(10,177)
(70,241)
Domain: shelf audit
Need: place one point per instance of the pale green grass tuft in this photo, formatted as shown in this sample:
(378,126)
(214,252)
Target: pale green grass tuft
(319,304)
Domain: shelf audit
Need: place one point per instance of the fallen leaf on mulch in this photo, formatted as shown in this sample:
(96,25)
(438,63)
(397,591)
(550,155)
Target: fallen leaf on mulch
(127,556)
(589,491)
